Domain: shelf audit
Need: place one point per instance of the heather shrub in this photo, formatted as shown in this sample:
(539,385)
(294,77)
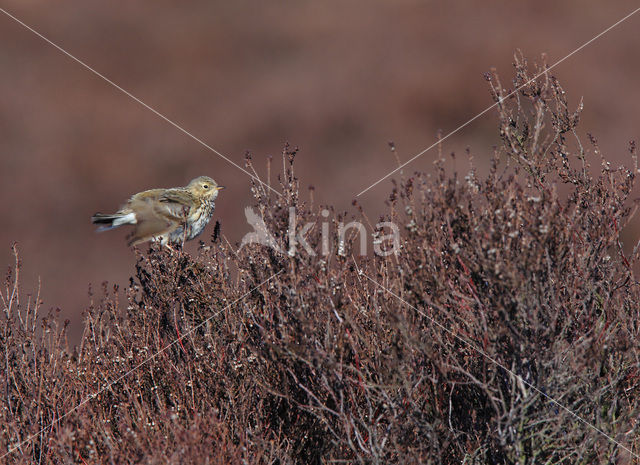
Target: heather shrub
(503,331)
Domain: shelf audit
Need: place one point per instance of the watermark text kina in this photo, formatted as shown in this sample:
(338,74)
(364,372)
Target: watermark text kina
(386,236)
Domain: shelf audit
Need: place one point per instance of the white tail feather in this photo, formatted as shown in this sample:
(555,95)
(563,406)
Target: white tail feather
(129,218)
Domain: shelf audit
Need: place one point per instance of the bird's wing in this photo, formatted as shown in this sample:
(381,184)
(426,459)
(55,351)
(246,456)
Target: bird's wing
(151,223)
(156,214)
(172,204)
(175,203)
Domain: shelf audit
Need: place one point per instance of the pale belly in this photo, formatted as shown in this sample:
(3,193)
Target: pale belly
(195,225)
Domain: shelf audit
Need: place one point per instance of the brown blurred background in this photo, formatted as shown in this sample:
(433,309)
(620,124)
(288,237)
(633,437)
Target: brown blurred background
(337,78)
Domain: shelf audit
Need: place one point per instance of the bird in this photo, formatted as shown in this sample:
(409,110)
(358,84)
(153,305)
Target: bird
(169,216)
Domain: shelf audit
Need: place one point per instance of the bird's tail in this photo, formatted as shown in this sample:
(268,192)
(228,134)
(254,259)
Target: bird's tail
(113,221)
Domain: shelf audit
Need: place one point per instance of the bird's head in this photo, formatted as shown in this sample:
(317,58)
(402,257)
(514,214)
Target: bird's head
(204,187)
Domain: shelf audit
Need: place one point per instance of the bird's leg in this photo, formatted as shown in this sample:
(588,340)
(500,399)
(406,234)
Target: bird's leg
(184,236)
(164,242)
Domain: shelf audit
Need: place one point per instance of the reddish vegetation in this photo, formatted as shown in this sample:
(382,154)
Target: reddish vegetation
(338,80)
(510,290)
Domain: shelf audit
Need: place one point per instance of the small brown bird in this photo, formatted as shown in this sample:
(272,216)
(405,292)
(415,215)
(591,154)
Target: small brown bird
(171,216)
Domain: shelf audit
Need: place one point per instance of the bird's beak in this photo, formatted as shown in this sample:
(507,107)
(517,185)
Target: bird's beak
(220,187)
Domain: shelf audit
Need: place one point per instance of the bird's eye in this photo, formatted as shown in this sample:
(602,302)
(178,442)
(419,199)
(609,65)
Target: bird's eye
(205,186)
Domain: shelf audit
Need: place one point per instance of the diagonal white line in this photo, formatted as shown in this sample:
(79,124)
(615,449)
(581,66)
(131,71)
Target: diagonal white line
(151,357)
(498,102)
(129,94)
(494,361)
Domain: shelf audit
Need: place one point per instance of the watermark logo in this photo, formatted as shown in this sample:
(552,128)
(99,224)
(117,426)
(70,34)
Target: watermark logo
(260,234)
(386,236)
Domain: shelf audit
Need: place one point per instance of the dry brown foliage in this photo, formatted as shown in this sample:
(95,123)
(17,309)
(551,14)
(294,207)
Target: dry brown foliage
(510,291)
